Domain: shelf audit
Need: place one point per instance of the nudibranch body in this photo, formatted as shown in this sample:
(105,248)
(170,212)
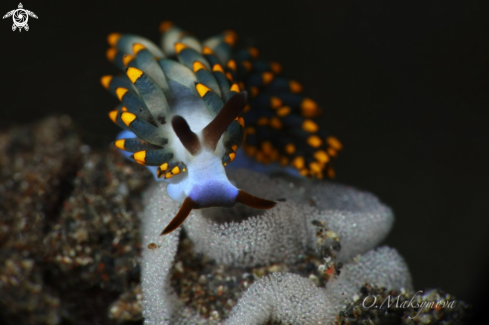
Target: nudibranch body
(184,107)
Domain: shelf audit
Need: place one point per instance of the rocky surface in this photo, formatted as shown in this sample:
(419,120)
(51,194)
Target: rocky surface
(212,289)
(69,233)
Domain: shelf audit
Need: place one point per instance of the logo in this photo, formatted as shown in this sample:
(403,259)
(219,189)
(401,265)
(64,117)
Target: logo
(20,17)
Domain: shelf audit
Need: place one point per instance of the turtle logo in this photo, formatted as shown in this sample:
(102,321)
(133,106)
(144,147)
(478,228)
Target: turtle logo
(20,17)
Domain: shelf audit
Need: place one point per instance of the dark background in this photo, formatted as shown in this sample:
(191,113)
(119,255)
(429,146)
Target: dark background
(404,85)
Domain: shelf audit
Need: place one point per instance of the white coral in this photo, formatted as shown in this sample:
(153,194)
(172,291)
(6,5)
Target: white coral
(292,299)
(277,235)
(282,233)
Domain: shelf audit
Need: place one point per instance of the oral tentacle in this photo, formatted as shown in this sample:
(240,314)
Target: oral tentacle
(189,139)
(182,214)
(253,201)
(214,130)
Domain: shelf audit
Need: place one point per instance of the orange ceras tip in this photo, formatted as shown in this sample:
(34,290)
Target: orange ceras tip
(120,92)
(137,47)
(334,142)
(179,47)
(267,77)
(201,89)
(105,81)
(126,59)
(111,53)
(235,88)
(198,66)
(217,67)
(275,102)
(134,74)
(247,64)
(276,67)
(231,65)
(229,39)
(113,116)
(207,50)
(295,87)
(113,38)
(165,26)
(253,52)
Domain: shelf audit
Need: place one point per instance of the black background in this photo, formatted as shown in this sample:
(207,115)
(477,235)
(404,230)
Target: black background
(404,85)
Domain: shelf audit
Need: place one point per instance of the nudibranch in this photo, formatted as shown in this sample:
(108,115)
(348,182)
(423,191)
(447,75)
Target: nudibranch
(184,107)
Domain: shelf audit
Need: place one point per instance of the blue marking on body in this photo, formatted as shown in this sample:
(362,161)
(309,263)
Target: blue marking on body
(213,193)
